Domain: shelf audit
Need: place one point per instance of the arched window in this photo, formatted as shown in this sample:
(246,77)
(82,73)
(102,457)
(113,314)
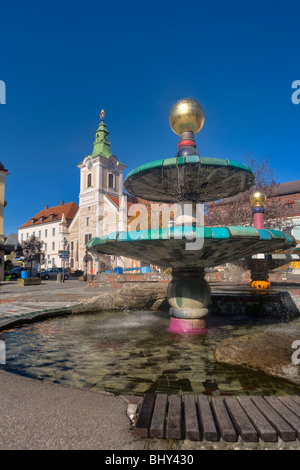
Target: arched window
(89,180)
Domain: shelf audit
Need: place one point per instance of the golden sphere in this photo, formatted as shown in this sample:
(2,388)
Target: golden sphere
(186,115)
(258,198)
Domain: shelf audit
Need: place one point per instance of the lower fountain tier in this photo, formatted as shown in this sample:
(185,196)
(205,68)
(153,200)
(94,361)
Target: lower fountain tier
(188,250)
(189,246)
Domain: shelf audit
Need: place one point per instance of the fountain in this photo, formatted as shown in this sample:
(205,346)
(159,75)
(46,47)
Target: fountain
(260,264)
(189,179)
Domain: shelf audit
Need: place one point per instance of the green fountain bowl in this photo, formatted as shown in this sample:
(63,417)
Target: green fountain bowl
(190,246)
(189,178)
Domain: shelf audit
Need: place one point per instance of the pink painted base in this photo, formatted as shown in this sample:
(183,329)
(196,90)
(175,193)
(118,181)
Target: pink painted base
(184,325)
(258,220)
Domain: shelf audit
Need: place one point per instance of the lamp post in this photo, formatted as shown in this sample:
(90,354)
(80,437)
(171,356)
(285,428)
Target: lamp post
(64,242)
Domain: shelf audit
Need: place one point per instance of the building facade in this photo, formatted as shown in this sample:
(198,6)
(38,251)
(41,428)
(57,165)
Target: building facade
(101,210)
(50,226)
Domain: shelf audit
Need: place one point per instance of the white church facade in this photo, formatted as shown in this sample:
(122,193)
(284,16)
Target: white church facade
(100,211)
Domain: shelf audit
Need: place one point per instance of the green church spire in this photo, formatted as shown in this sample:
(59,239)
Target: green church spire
(101,144)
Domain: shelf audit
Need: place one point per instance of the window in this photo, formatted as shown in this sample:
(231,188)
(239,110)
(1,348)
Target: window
(22,236)
(27,235)
(111,180)
(87,237)
(87,221)
(45,246)
(46,233)
(33,234)
(53,232)
(290,205)
(53,245)
(40,233)
(53,262)
(89,180)
(72,246)
(72,262)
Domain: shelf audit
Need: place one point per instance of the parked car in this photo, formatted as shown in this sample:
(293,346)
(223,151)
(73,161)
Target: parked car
(51,273)
(16,272)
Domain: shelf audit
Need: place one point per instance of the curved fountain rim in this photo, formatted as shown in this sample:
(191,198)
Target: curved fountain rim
(187,160)
(185,232)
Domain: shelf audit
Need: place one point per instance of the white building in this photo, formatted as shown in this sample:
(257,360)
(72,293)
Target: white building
(48,225)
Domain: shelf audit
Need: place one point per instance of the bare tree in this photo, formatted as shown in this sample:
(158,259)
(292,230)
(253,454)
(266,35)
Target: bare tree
(236,210)
(31,250)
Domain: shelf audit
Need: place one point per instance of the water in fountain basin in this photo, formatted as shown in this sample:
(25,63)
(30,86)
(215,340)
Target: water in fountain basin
(132,353)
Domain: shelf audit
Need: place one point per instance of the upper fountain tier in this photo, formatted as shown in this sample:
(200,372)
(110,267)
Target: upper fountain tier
(187,176)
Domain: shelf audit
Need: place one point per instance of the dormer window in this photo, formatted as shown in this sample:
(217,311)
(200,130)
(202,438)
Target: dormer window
(42,219)
(290,205)
(51,216)
(32,221)
(89,180)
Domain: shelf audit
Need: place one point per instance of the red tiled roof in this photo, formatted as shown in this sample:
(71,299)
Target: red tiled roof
(68,209)
(116,200)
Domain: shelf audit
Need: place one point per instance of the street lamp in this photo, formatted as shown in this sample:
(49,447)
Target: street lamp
(64,242)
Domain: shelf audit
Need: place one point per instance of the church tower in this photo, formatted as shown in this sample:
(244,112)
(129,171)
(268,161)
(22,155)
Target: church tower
(101,176)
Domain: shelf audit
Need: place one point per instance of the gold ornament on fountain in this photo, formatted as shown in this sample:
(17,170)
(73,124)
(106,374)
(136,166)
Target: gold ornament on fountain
(186,115)
(258,198)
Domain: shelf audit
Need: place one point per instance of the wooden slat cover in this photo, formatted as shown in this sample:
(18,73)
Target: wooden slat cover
(291,404)
(285,412)
(262,425)
(282,427)
(241,420)
(208,426)
(143,421)
(225,425)
(191,419)
(173,430)
(158,418)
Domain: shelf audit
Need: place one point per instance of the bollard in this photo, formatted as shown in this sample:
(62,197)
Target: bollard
(59,278)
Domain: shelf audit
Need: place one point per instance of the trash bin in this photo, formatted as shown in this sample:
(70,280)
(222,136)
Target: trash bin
(145,269)
(119,270)
(25,274)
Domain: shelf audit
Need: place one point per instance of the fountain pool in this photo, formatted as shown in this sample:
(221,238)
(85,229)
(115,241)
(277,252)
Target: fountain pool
(132,353)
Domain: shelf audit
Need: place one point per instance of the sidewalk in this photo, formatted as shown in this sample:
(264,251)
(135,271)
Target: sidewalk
(37,415)
(21,302)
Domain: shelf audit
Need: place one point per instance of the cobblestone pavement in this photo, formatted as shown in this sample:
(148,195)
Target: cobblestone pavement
(20,301)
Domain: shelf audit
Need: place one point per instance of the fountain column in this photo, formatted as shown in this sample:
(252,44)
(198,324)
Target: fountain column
(188,295)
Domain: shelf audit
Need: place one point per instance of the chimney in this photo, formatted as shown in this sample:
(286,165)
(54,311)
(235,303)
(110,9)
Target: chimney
(47,207)
(61,203)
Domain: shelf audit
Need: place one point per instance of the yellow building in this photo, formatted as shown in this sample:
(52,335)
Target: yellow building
(3,248)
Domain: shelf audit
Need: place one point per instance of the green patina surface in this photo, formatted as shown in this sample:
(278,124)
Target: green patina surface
(101,144)
(215,233)
(178,161)
(174,247)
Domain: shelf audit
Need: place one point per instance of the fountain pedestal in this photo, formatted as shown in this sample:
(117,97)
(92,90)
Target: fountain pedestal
(188,295)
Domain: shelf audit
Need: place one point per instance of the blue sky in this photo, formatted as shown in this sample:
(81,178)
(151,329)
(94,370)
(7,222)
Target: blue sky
(63,61)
